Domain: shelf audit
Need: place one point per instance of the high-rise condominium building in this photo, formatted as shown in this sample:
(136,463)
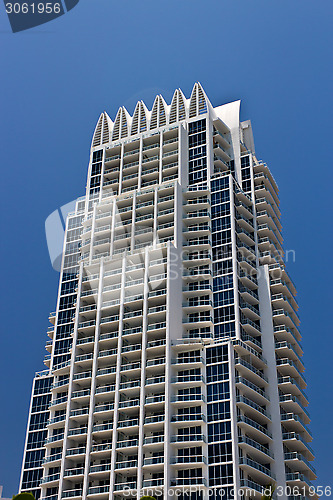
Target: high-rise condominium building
(174,361)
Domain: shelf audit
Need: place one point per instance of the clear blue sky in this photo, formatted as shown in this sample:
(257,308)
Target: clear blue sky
(56,79)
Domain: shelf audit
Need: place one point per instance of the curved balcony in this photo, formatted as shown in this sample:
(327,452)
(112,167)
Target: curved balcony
(255,469)
(295,442)
(253,409)
(77,473)
(255,449)
(293,423)
(75,493)
(297,461)
(101,450)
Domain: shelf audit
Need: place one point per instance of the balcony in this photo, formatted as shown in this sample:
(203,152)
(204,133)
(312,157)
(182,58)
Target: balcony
(79,431)
(255,469)
(78,471)
(152,440)
(293,404)
(249,371)
(256,489)
(193,360)
(103,449)
(188,417)
(188,380)
(190,460)
(125,486)
(254,428)
(252,390)
(255,410)
(98,490)
(187,399)
(72,494)
(128,464)
(297,461)
(188,481)
(255,449)
(295,441)
(297,479)
(51,479)
(70,452)
(128,444)
(188,438)
(79,412)
(288,368)
(289,384)
(122,424)
(286,350)
(52,459)
(129,404)
(103,427)
(294,423)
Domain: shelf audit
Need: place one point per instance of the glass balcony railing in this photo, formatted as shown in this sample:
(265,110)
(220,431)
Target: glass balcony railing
(94,490)
(74,472)
(71,493)
(153,439)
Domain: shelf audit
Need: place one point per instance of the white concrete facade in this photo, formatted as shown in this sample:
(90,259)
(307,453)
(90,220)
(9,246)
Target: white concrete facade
(174,359)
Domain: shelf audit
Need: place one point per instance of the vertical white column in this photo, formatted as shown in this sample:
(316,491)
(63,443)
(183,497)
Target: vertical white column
(92,233)
(161,158)
(117,383)
(132,244)
(113,225)
(93,380)
(268,346)
(233,414)
(234,256)
(140,164)
(143,373)
(70,385)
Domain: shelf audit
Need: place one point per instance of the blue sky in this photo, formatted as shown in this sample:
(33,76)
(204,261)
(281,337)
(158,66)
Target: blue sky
(56,79)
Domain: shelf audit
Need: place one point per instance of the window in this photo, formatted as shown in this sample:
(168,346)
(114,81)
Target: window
(62,346)
(217,354)
(199,176)
(214,393)
(218,184)
(68,287)
(221,238)
(219,431)
(225,330)
(220,197)
(36,439)
(31,478)
(96,169)
(66,316)
(97,155)
(74,222)
(42,385)
(67,301)
(220,475)
(38,421)
(223,267)
(219,452)
(223,298)
(40,403)
(34,458)
(217,372)
(221,223)
(195,127)
(197,139)
(224,314)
